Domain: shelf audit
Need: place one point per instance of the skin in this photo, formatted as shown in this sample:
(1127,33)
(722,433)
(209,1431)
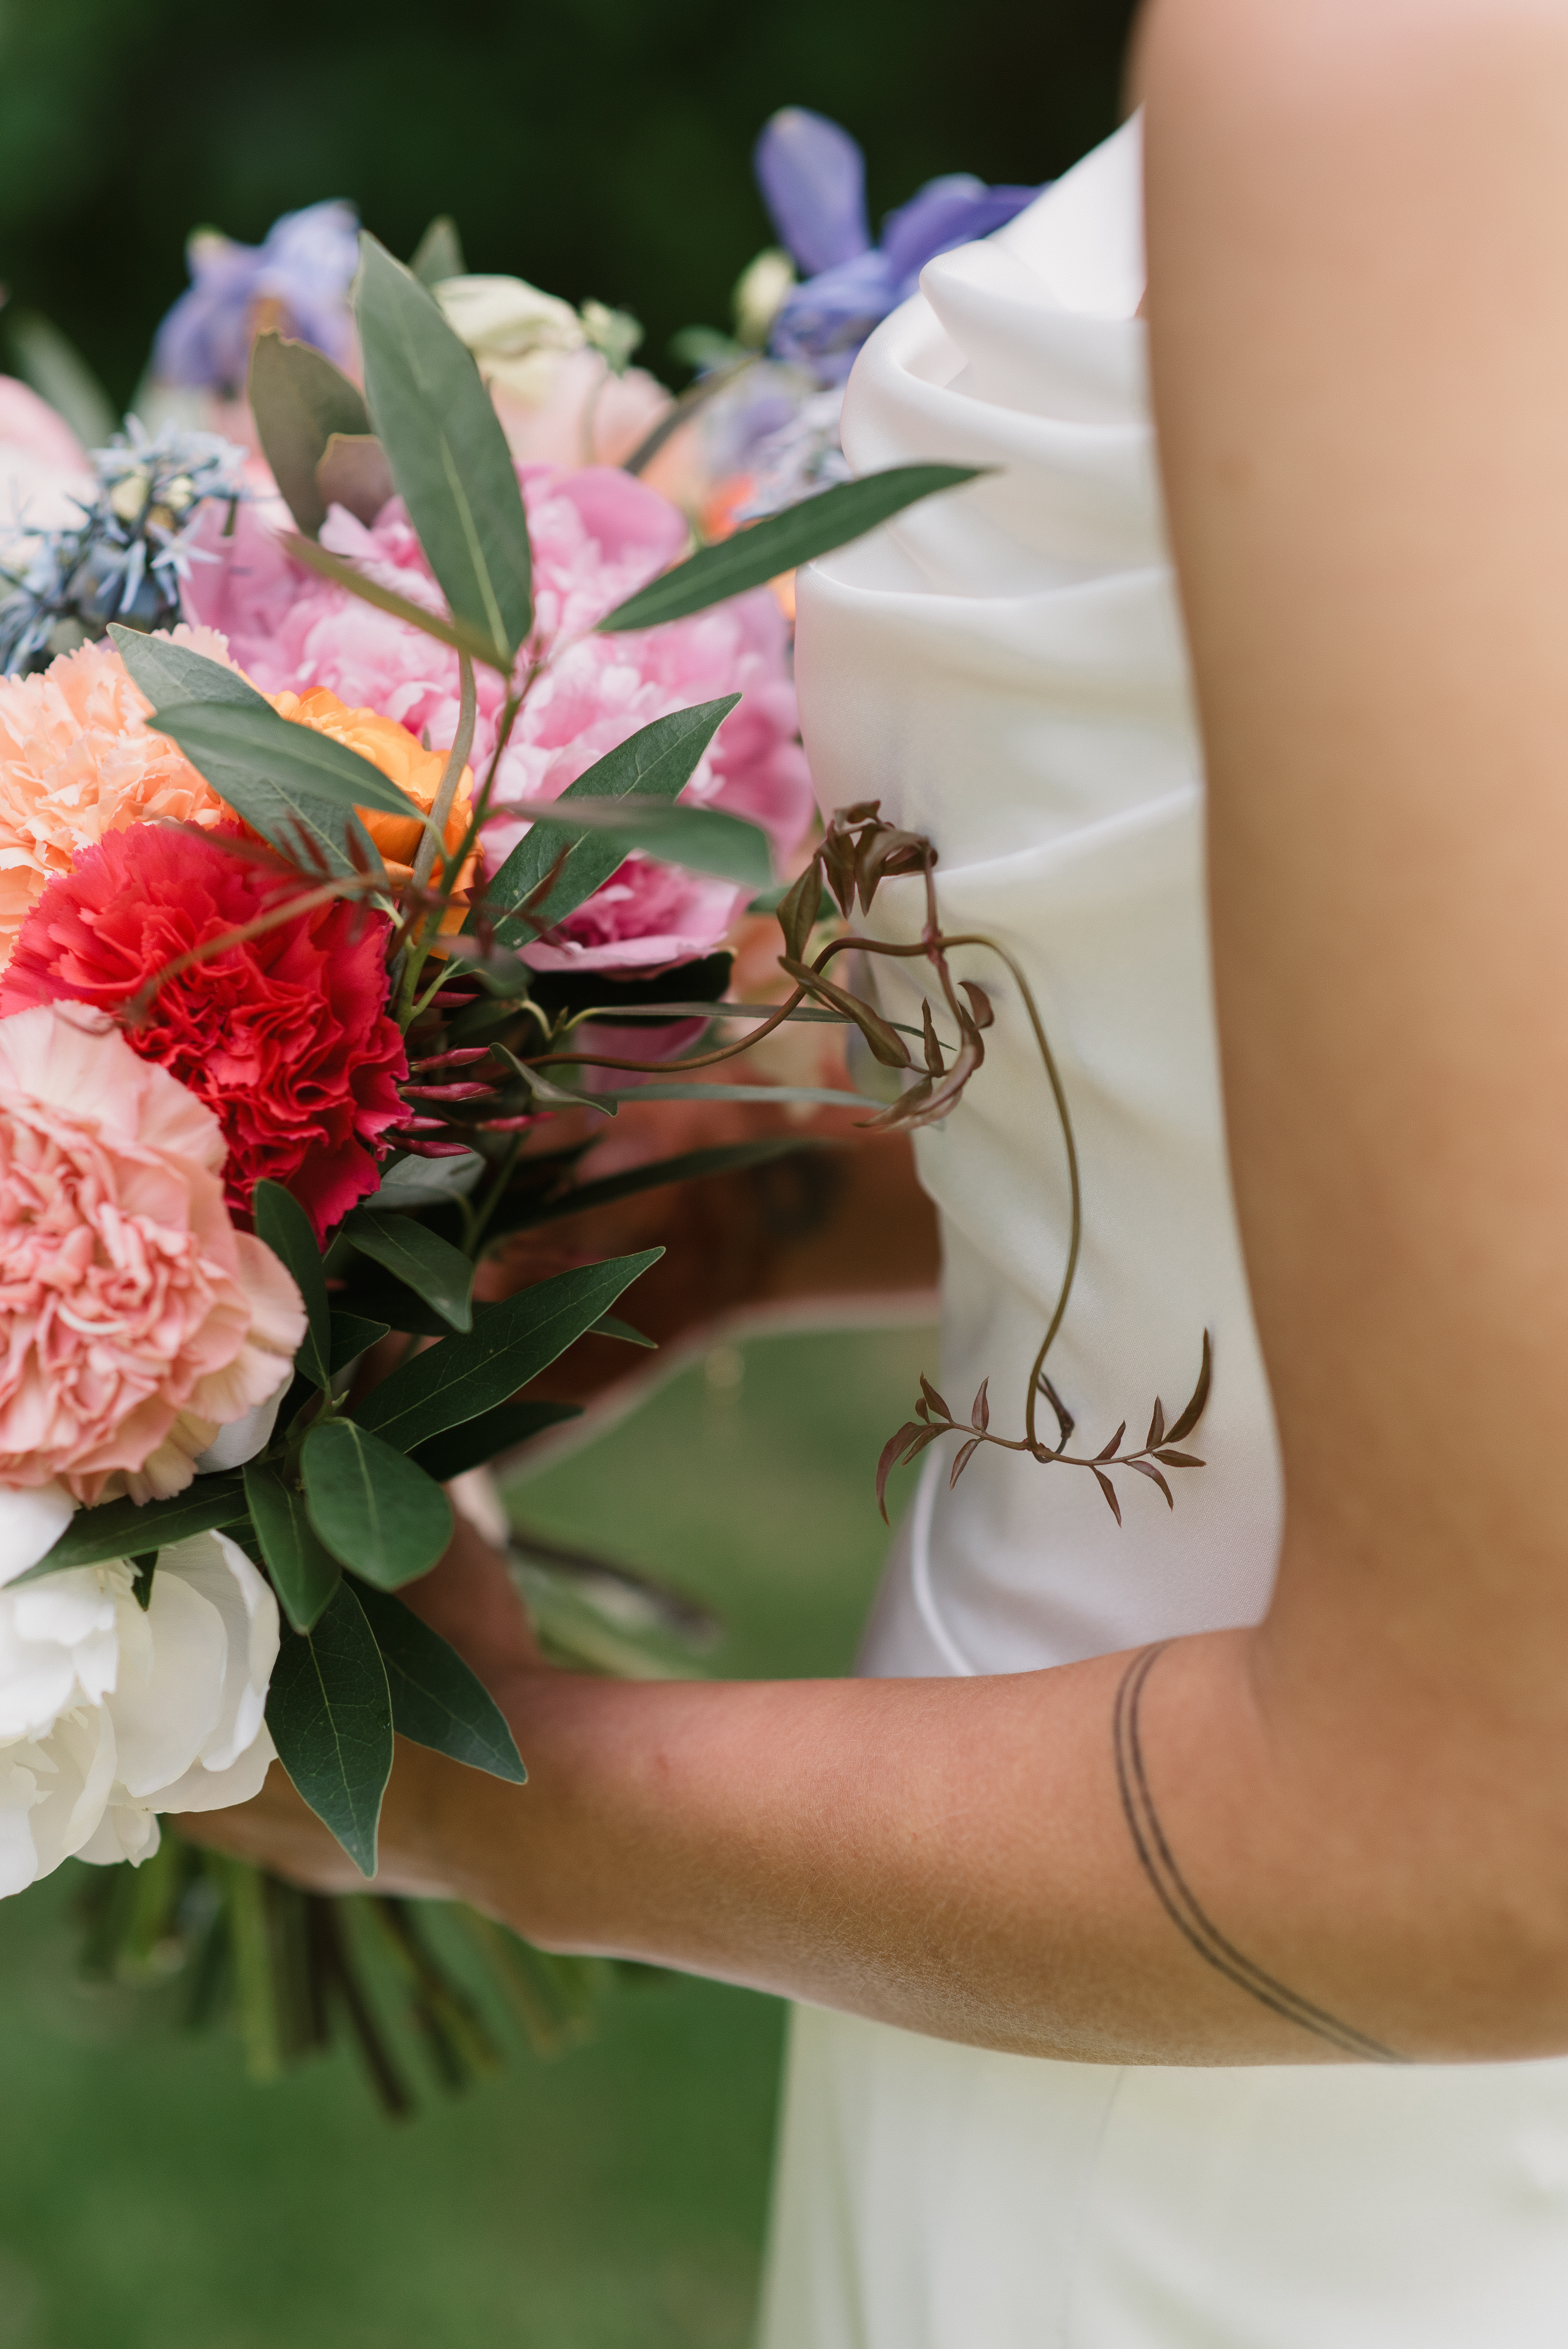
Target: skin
(1359,235)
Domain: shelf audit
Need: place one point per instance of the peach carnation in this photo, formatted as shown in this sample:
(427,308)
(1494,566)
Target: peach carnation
(135,1320)
(77,760)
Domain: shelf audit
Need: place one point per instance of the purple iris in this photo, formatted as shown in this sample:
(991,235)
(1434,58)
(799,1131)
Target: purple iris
(306,265)
(812,175)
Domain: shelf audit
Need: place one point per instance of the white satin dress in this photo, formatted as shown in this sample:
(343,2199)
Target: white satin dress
(1005,667)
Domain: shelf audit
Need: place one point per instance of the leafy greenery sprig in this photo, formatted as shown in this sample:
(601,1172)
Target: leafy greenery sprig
(345,1505)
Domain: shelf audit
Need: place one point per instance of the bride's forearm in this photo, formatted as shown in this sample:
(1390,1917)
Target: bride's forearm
(1133,1859)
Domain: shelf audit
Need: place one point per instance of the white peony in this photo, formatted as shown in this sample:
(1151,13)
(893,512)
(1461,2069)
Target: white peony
(110,1713)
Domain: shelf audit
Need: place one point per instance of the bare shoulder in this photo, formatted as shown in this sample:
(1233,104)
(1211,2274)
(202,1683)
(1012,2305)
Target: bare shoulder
(1334,56)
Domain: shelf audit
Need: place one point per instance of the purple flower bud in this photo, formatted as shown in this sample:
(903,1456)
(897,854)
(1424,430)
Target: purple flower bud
(813,181)
(305,266)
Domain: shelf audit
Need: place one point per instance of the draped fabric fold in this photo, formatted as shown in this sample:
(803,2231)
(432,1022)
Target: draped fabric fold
(1003,666)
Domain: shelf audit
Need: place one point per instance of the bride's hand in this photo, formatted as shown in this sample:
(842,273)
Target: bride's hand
(471,1600)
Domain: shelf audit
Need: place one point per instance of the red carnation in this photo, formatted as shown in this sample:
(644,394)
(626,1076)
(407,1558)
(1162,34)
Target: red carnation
(285,1038)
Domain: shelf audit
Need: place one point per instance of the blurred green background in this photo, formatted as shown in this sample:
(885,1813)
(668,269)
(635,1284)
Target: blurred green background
(150,2196)
(614,2198)
(598,146)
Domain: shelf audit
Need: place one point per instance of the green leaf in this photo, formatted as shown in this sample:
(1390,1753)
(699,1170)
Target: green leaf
(450,632)
(821,1096)
(375,1292)
(303,1574)
(286,1227)
(351,1334)
(703,839)
(372,1507)
(513,1342)
(165,671)
(689,1166)
(299,400)
(353,473)
(656,762)
(610,1325)
(129,1529)
(278,773)
(448,452)
(420,1258)
(440,253)
(784,541)
(330,1712)
(436,1700)
(478,1441)
(49,361)
(771,899)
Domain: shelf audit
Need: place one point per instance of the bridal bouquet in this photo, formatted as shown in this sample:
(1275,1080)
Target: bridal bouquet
(352,790)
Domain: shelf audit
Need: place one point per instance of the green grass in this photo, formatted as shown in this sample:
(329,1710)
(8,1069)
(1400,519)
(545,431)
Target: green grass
(151,2197)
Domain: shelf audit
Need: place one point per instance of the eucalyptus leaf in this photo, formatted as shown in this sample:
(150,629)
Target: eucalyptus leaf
(283,1223)
(380,1297)
(448,454)
(656,762)
(374,1509)
(819,1096)
(297,760)
(353,473)
(548,1091)
(351,1334)
(330,1712)
(512,1343)
(478,1441)
(165,671)
(703,839)
(436,1701)
(610,1325)
(689,1166)
(784,541)
(354,582)
(126,1528)
(420,1258)
(49,361)
(299,400)
(303,1574)
(440,253)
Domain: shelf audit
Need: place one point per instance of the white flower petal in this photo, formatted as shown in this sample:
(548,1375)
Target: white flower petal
(19,1795)
(32,1519)
(125,1831)
(164,1716)
(76,1787)
(220,1570)
(201,1789)
(242,1439)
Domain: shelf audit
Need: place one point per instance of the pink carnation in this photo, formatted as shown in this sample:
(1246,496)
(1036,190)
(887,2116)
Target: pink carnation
(135,1320)
(598,534)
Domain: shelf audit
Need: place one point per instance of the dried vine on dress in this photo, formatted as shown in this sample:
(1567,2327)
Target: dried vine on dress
(858,850)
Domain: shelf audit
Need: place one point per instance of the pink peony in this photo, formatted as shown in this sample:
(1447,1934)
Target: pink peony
(135,1320)
(598,535)
(77,760)
(286,1037)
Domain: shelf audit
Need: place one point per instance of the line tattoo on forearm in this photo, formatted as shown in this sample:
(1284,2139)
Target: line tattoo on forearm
(1176,1897)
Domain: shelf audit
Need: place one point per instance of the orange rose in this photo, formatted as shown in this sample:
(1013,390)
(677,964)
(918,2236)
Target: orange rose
(401,760)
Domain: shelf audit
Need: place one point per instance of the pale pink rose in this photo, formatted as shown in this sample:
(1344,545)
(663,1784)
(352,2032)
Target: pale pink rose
(77,760)
(585,415)
(135,1320)
(598,534)
(43,465)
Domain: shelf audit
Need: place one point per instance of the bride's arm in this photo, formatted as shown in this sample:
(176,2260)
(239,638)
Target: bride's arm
(1346,1832)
